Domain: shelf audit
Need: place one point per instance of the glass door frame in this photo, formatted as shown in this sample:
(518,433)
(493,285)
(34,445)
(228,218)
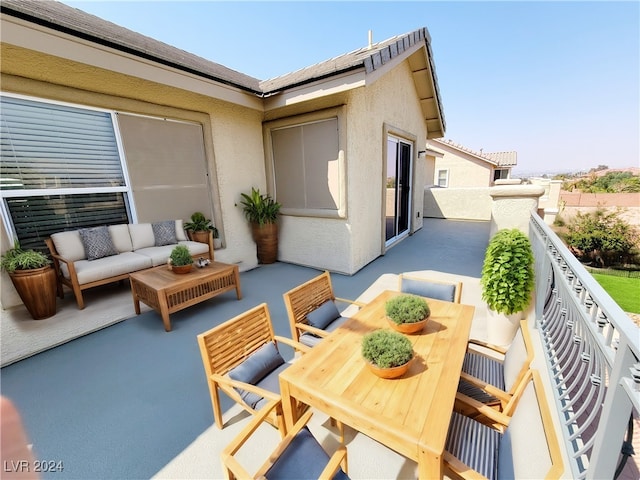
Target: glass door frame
(398,157)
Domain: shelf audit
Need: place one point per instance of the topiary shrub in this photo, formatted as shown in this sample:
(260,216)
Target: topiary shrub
(507,273)
(407,309)
(386,349)
(180,256)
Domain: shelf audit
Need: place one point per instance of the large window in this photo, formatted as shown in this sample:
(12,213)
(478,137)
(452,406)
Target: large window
(60,170)
(307,168)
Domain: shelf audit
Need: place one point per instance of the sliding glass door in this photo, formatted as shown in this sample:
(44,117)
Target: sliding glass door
(398,189)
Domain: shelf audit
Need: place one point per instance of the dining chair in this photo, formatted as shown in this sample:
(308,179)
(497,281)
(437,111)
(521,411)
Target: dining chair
(312,310)
(298,455)
(431,288)
(492,376)
(526,446)
(241,357)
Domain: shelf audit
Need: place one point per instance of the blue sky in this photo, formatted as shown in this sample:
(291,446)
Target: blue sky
(558,82)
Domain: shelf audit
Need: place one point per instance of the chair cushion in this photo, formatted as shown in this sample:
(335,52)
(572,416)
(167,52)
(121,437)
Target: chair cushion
(164,233)
(322,316)
(69,246)
(514,360)
(106,267)
(475,444)
(524,451)
(311,340)
(486,369)
(97,242)
(424,288)
(303,458)
(271,383)
(255,368)
(180,235)
(121,238)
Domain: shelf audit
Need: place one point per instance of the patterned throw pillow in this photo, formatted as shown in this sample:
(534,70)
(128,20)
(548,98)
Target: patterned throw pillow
(97,242)
(164,232)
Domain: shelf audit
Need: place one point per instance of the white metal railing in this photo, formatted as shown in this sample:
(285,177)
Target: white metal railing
(592,352)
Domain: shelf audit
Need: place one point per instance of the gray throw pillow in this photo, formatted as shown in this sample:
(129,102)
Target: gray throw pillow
(164,233)
(322,316)
(259,364)
(97,242)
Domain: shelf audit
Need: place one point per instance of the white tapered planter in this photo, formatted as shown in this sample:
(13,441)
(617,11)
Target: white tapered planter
(501,328)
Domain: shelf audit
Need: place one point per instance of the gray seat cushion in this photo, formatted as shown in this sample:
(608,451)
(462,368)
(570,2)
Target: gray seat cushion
(311,340)
(303,458)
(322,316)
(424,288)
(254,369)
(484,368)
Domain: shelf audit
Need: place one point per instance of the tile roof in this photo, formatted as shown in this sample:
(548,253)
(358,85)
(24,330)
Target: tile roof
(501,159)
(72,21)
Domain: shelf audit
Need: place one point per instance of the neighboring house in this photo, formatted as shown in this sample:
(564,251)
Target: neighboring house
(456,166)
(160,133)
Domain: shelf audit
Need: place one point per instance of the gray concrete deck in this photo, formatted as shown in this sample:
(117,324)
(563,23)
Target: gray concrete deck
(175,437)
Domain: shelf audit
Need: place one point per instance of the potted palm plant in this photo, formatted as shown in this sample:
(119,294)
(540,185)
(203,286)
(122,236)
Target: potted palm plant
(262,213)
(388,354)
(407,313)
(33,278)
(180,259)
(200,227)
(507,281)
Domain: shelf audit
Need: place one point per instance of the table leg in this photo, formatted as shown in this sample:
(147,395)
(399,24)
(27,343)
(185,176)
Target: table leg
(430,465)
(236,274)
(164,310)
(136,300)
(288,405)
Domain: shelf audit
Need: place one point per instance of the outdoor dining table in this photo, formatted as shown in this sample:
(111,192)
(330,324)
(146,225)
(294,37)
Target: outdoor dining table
(410,414)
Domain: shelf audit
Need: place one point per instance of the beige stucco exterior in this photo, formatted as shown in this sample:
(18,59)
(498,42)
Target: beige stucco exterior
(48,65)
(464,168)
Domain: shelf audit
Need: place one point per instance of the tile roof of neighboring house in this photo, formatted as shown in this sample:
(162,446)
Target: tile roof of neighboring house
(501,159)
(75,22)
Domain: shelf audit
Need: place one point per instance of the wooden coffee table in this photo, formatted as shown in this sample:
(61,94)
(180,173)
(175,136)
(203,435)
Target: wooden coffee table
(168,292)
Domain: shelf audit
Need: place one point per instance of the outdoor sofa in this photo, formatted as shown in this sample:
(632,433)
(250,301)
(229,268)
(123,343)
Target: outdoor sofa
(90,257)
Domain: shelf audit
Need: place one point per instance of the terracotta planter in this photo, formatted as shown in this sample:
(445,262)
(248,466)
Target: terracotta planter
(201,236)
(393,372)
(266,238)
(409,328)
(37,289)
(181,269)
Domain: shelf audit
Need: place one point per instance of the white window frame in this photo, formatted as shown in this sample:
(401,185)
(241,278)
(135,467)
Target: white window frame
(446,177)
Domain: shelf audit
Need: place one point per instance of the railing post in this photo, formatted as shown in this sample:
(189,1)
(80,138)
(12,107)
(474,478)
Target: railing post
(512,206)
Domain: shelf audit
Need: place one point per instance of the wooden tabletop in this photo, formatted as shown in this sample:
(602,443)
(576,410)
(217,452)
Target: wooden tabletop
(162,277)
(410,414)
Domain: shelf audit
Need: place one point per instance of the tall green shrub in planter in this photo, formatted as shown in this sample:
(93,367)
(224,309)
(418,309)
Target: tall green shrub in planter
(262,213)
(507,281)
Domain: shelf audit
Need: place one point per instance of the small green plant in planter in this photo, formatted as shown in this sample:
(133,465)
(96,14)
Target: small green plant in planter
(507,281)
(200,223)
(386,349)
(18,259)
(407,309)
(262,213)
(33,278)
(180,257)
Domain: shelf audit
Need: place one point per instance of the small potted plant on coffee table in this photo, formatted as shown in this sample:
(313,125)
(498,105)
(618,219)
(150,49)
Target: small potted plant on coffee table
(407,313)
(180,259)
(387,354)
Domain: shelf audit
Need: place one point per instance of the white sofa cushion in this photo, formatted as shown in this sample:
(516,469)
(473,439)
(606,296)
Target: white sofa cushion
(180,235)
(141,235)
(160,255)
(90,271)
(69,245)
(121,238)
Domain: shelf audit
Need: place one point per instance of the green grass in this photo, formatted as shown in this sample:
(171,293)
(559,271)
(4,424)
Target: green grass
(625,291)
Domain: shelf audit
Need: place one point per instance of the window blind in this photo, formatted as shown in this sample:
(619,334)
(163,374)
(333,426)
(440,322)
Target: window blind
(49,146)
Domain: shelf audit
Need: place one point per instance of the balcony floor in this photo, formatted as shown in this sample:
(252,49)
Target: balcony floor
(131,401)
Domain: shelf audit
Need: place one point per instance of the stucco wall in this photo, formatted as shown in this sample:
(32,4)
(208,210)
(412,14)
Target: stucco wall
(233,138)
(347,244)
(457,203)
(464,171)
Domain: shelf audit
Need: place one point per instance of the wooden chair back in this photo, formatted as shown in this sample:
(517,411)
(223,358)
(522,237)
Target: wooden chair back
(305,298)
(228,345)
